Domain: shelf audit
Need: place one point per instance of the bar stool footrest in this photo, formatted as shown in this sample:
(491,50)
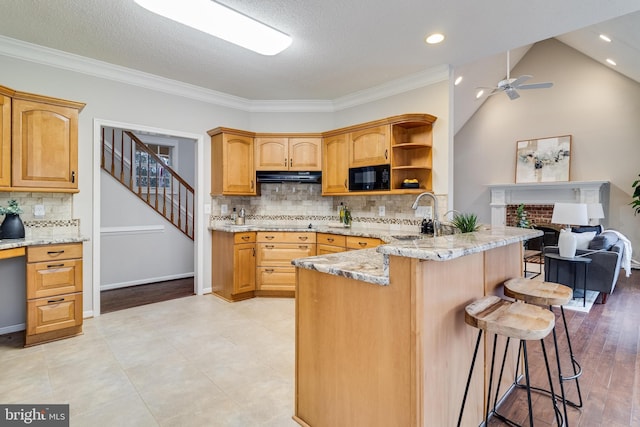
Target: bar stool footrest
(546,392)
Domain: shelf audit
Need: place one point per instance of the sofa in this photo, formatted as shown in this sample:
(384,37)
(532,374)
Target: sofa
(605,250)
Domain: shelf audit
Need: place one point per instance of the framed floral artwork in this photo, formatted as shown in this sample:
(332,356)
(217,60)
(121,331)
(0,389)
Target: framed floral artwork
(543,159)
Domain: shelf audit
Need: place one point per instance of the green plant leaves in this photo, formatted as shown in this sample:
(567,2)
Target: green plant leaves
(465,222)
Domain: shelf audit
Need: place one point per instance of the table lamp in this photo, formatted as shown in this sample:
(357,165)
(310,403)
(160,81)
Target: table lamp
(595,211)
(569,214)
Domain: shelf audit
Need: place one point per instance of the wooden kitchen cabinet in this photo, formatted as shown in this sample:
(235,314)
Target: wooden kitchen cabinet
(5,136)
(44,143)
(369,147)
(54,292)
(275,250)
(232,162)
(233,266)
(411,156)
(335,164)
(327,243)
(286,153)
(356,242)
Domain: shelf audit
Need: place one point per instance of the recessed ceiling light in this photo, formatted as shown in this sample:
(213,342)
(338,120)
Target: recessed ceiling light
(605,38)
(479,94)
(434,38)
(457,81)
(219,21)
(611,61)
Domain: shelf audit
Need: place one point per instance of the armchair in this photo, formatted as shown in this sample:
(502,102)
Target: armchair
(604,268)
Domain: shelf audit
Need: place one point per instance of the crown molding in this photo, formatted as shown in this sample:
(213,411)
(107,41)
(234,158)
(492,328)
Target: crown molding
(67,61)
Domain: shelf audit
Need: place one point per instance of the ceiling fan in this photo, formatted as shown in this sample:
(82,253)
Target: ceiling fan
(511,86)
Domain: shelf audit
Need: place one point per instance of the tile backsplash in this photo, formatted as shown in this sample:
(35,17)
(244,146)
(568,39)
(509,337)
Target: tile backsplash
(57,220)
(304,202)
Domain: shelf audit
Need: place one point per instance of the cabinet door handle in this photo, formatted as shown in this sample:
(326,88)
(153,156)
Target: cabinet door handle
(345,184)
(386,154)
(285,161)
(269,246)
(252,184)
(55,265)
(269,237)
(303,238)
(245,238)
(73,176)
(290,162)
(52,301)
(55,252)
(269,270)
(330,239)
(254,251)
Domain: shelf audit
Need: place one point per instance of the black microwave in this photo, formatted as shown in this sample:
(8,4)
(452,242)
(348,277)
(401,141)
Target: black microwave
(369,178)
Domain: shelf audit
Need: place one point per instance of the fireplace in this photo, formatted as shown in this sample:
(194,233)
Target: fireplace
(539,198)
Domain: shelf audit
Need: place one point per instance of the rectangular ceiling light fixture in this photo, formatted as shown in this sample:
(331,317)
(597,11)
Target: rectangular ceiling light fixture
(220,21)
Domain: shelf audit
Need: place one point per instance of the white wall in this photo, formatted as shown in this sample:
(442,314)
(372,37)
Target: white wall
(597,106)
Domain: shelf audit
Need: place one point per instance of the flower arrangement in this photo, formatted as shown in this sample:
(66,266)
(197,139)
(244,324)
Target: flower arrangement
(12,209)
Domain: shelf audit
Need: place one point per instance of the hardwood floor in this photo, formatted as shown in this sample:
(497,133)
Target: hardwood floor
(606,343)
(133,296)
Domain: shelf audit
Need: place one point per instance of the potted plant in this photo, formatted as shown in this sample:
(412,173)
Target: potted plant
(12,227)
(521,216)
(635,203)
(465,222)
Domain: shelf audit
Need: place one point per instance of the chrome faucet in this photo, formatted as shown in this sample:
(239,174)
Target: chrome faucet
(436,222)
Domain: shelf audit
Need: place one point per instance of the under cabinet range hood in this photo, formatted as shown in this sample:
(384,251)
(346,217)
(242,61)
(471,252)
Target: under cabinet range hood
(314,177)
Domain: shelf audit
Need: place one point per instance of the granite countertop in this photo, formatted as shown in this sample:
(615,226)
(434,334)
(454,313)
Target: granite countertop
(372,265)
(33,241)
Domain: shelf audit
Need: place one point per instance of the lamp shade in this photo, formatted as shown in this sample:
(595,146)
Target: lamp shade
(570,214)
(594,211)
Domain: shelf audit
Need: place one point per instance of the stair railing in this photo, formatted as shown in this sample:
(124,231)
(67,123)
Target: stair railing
(126,158)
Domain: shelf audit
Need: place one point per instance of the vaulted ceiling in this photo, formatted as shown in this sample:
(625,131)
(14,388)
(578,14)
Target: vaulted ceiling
(340,48)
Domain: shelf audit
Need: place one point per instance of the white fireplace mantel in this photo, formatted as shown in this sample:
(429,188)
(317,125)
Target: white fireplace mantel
(545,193)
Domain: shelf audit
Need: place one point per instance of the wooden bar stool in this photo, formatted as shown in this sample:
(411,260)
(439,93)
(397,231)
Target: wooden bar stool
(549,294)
(517,320)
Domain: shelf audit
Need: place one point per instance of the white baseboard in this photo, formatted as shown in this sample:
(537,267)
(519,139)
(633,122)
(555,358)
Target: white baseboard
(13,328)
(206,290)
(146,281)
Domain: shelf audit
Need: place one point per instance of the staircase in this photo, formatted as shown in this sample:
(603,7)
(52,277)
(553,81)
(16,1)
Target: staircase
(145,174)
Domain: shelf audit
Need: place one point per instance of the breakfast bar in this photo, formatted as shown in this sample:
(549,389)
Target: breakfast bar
(380,333)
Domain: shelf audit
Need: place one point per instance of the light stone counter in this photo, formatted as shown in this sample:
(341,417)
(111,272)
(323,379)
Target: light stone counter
(33,241)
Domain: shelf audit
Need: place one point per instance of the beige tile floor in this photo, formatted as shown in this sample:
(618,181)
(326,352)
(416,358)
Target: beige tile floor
(195,361)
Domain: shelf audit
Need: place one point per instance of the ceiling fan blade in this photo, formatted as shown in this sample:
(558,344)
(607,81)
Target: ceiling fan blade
(512,94)
(536,86)
(517,82)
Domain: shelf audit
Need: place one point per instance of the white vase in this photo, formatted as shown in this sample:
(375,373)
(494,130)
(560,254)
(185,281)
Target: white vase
(567,244)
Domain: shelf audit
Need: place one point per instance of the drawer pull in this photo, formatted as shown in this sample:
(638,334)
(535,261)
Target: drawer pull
(303,247)
(269,237)
(55,265)
(330,239)
(269,246)
(303,238)
(53,301)
(245,238)
(269,270)
(55,252)
(363,244)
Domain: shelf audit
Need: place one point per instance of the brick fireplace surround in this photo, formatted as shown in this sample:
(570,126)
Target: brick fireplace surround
(539,198)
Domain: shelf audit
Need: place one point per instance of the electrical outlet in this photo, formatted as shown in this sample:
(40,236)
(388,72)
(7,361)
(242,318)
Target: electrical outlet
(381,210)
(38,210)
(224,209)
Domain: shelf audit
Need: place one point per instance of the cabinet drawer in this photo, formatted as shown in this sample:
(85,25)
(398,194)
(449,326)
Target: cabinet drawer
(354,242)
(286,237)
(51,314)
(331,239)
(281,254)
(328,249)
(276,278)
(54,252)
(248,237)
(45,279)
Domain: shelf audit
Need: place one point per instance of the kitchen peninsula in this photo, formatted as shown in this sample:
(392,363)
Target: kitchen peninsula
(380,333)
